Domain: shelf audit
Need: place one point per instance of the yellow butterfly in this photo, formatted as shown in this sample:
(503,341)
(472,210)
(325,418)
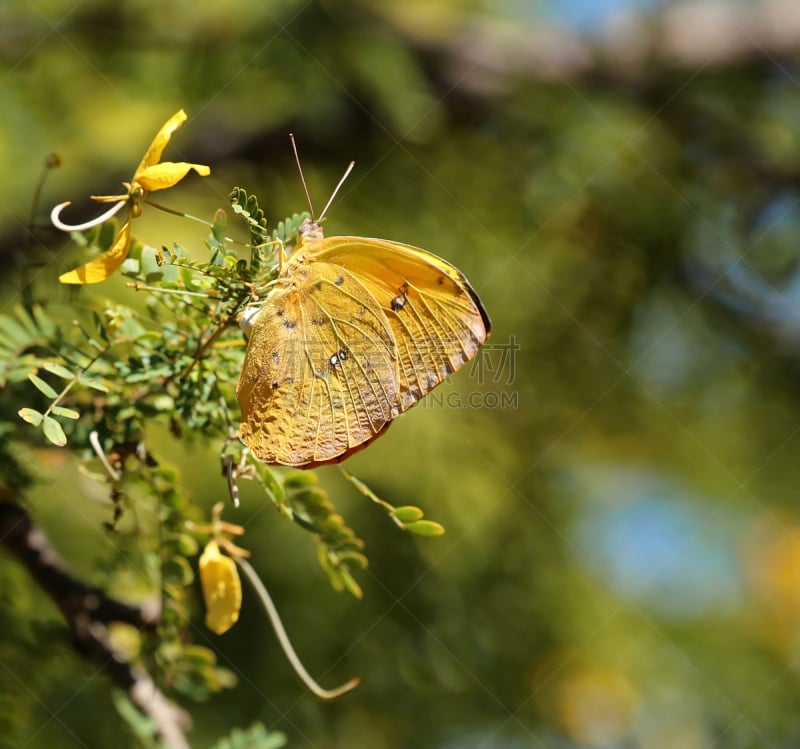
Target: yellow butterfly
(354,332)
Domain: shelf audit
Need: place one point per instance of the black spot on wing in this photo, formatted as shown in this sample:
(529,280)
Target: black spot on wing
(337,359)
(401,299)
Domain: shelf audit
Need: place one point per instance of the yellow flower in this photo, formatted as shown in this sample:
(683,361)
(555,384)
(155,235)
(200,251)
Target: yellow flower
(149,175)
(222,589)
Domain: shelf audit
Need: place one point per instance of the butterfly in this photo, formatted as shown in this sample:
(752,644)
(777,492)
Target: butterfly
(353,333)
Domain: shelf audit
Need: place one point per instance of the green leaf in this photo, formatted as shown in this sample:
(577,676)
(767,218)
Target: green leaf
(332,522)
(314,498)
(142,726)
(98,323)
(58,370)
(130,267)
(106,234)
(26,321)
(288,228)
(131,328)
(299,479)
(149,263)
(408,514)
(94,384)
(31,415)
(67,413)
(350,584)
(17,371)
(227,679)
(353,558)
(199,655)
(53,432)
(43,322)
(13,331)
(203,283)
(219,225)
(178,571)
(271,485)
(42,386)
(425,528)
(255,737)
(179,252)
(185,544)
(335,578)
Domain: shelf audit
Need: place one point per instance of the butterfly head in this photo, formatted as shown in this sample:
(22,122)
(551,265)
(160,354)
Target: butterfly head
(310,230)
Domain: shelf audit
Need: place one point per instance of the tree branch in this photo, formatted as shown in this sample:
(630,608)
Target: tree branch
(88,611)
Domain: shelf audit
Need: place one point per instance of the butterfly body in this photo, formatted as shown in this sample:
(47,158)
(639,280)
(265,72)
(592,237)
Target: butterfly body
(354,332)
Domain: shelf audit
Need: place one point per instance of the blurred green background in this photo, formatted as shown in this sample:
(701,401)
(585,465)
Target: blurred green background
(618,468)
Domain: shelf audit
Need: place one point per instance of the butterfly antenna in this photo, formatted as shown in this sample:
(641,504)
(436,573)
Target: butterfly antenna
(333,194)
(302,178)
(305,186)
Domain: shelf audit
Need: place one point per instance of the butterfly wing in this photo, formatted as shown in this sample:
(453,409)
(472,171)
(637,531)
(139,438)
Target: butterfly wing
(320,376)
(436,317)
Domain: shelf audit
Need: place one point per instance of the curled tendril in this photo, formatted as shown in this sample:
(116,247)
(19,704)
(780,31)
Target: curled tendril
(55,217)
(283,638)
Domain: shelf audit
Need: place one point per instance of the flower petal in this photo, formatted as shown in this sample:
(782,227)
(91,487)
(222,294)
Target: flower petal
(103,265)
(153,155)
(222,589)
(167,174)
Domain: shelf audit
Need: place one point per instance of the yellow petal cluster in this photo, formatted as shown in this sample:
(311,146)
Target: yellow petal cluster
(222,589)
(150,175)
